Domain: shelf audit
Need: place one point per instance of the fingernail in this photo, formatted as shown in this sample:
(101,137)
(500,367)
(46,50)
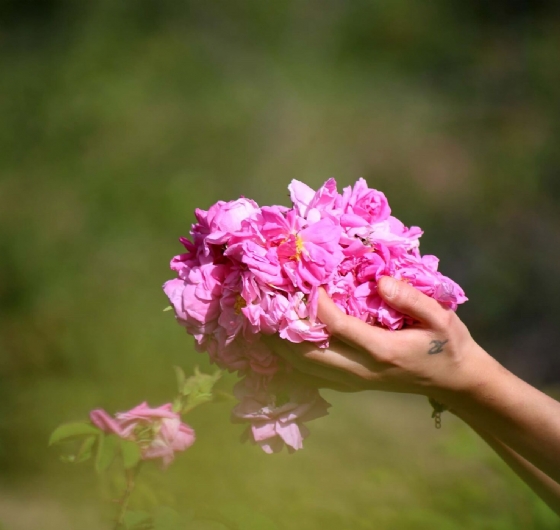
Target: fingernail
(389,286)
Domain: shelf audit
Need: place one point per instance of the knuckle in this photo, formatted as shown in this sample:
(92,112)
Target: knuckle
(444,319)
(388,357)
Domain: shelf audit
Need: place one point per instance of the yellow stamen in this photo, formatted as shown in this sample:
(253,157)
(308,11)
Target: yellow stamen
(299,249)
(239,304)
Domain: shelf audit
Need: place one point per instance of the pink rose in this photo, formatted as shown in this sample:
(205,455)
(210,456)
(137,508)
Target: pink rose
(196,299)
(225,218)
(230,357)
(314,205)
(423,274)
(310,256)
(276,420)
(361,201)
(158,432)
(299,323)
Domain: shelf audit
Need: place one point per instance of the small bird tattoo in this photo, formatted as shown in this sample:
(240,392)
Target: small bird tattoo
(437,346)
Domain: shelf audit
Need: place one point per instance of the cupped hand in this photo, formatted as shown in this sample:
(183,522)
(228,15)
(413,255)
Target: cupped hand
(436,356)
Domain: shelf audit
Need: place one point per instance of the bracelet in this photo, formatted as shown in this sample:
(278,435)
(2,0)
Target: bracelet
(438,408)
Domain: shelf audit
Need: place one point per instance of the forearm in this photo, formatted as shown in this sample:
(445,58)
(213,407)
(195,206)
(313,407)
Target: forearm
(545,487)
(512,411)
(436,357)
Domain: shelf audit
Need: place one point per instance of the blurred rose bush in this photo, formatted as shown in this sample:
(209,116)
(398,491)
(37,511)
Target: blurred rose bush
(159,432)
(122,443)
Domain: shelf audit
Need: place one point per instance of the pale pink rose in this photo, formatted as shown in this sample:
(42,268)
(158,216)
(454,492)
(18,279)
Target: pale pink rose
(159,432)
(231,318)
(266,313)
(314,205)
(365,203)
(422,273)
(231,356)
(391,233)
(174,291)
(373,309)
(225,219)
(196,299)
(278,419)
(262,359)
(449,293)
(299,324)
(342,290)
(262,261)
(242,311)
(373,265)
(301,330)
(301,195)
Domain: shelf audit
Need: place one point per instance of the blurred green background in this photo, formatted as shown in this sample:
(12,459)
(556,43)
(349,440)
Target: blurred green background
(119,117)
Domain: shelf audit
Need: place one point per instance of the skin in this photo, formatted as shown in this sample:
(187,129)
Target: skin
(438,358)
(546,488)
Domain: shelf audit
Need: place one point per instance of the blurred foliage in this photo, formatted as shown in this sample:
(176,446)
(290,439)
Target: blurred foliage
(119,117)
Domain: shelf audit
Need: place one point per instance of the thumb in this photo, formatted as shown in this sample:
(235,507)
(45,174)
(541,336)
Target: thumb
(410,301)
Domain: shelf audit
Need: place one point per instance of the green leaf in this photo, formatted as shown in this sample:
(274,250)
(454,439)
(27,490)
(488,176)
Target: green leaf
(177,404)
(180,374)
(220,396)
(130,453)
(166,518)
(72,430)
(198,389)
(85,451)
(168,308)
(106,452)
(194,400)
(137,519)
(200,383)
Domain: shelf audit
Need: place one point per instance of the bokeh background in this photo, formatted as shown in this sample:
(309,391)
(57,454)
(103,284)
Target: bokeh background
(119,117)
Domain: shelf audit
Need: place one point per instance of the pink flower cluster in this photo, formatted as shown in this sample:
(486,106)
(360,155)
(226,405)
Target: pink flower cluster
(251,270)
(158,432)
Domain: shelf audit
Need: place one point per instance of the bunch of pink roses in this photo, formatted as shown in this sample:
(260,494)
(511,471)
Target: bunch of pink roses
(251,270)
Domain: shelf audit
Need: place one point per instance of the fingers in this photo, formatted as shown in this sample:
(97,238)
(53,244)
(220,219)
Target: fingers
(319,382)
(339,367)
(410,301)
(352,330)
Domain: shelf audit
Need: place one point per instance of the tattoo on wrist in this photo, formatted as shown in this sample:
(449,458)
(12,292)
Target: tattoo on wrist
(437,346)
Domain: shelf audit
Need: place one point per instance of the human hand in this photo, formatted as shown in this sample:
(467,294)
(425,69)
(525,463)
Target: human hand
(437,356)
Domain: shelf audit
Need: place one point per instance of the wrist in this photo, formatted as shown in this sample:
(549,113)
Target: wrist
(472,380)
